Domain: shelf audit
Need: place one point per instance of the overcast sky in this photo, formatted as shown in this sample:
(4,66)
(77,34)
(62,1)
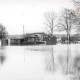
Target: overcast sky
(30,13)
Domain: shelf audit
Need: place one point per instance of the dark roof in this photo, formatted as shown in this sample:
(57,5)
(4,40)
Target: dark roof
(31,35)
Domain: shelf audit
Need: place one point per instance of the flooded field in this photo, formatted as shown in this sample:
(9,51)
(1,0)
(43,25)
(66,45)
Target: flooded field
(58,62)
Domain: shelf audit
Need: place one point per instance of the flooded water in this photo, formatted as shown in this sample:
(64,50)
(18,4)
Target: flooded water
(39,62)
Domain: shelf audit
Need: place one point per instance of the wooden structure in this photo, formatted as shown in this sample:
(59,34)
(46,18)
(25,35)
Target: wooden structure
(50,40)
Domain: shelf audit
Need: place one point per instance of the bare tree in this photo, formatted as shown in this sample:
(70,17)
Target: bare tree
(50,21)
(77,13)
(66,22)
(76,3)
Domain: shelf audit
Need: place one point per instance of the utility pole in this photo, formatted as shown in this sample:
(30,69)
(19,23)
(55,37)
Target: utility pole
(24,38)
(23,30)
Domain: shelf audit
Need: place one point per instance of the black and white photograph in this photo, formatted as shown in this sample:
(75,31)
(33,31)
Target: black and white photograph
(39,39)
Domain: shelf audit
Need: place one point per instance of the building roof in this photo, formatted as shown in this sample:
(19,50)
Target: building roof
(16,36)
(35,33)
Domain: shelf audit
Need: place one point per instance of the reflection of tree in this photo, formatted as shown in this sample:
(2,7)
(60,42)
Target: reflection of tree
(50,18)
(65,61)
(77,63)
(2,58)
(68,59)
(2,54)
(73,65)
(76,68)
(50,65)
(66,22)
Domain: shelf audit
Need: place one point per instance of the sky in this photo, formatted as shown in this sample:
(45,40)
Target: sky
(30,13)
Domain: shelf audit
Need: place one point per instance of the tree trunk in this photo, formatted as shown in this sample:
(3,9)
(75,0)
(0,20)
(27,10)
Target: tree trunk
(68,37)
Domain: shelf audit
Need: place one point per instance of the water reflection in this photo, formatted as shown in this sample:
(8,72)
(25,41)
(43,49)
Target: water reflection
(77,63)
(65,60)
(50,60)
(76,68)
(2,58)
(2,54)
(40,62)
(59,60)
(70,62)
(62,58)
